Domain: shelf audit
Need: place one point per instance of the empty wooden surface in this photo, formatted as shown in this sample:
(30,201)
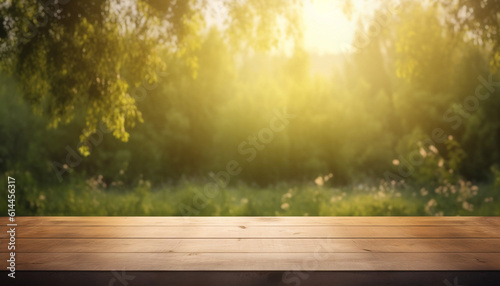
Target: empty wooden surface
(255,243)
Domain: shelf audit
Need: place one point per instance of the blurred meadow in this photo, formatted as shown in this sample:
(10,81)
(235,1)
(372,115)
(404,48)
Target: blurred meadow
(251,107)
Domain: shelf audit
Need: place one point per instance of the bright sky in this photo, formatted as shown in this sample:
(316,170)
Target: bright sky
(327,29)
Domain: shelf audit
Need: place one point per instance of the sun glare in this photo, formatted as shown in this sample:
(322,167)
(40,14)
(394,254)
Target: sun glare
(327,29)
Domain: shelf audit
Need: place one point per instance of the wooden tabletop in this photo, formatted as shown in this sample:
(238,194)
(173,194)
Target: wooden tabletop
(255,243)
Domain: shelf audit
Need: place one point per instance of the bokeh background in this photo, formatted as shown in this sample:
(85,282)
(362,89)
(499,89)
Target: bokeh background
(251,107)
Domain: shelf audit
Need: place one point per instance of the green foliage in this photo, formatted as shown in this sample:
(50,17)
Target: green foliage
(282,199)
(424,49)
(91,56)
(481,19)
(496,173)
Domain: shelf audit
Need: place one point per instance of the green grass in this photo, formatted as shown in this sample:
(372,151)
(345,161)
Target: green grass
(283,199)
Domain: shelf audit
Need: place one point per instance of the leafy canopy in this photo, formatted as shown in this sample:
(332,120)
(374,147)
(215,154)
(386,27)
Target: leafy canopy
(88,57)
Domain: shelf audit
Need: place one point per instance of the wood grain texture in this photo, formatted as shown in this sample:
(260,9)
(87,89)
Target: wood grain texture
(289,220)
(259,261)
(255,243)
(270,231)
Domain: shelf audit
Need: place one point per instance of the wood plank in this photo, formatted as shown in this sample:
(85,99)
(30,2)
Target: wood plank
(270,231)
(256,261)
(256,245)
(253,221)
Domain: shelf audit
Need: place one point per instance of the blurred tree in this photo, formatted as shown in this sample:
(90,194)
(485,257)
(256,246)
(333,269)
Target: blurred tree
(91,55)
(477,21)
